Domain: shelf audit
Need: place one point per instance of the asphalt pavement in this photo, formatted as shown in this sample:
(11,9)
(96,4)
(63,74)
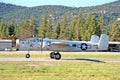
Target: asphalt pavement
(62,59)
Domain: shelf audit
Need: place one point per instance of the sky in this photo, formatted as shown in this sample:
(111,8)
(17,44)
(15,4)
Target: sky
(70,3)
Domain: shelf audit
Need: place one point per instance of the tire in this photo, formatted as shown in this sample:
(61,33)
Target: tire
(83,47)
(57,56)
(27,56)
(52,55)
(17,49)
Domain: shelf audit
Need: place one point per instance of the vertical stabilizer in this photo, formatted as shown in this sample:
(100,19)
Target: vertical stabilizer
(103,42)
(94,39)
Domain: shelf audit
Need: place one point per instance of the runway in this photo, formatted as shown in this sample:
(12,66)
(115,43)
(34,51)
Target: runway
(62,60)
(84,59)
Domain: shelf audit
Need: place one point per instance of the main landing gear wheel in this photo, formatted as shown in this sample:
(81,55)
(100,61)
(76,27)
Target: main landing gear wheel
(27,55)
(56,55)
(52,55)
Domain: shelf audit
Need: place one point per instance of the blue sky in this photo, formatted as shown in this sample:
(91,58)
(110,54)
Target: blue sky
(72,3)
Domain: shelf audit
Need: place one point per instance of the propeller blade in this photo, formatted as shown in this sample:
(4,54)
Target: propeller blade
(41,45)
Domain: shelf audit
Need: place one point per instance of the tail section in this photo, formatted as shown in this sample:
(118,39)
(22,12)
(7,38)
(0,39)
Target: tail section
(94,39)
(103,42)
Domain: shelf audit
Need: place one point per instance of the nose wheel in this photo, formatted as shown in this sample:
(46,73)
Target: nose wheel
(27,55)
(55,55)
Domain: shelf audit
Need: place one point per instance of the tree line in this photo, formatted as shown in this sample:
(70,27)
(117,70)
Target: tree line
(80,28)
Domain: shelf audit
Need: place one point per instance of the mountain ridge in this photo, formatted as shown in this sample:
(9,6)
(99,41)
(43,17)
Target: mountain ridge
(16,13)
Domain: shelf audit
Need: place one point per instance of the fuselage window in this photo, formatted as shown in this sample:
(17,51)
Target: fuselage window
(73,45)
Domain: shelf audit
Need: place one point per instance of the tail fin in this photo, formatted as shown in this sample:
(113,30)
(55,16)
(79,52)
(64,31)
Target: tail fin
(94,39)
(103,42)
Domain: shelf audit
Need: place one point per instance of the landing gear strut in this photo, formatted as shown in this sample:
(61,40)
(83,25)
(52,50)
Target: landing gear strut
(55,55)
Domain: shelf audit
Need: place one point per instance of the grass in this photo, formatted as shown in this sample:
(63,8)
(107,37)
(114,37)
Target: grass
(104,56)
(59,71)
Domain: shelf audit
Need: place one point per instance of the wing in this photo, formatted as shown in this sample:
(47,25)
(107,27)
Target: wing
(59,45)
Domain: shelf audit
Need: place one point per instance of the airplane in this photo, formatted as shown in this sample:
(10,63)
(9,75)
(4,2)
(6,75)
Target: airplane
(54,45)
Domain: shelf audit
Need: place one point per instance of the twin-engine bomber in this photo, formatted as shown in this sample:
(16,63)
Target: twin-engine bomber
(54,45)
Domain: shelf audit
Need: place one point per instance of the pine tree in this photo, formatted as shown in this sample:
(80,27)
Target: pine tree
(43,28)
(49,29)
(72,30)
(86,28)
(33,26)
(1,28)
(56,31)
(5,32)
(115,32)
(92,29)
(101,25)
(11,28)
(79,31)
(25,30)
(17,32)
(64,32)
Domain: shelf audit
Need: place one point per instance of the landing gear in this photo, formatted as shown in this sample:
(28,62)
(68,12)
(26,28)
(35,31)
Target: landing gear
(27,55)
(55,55)
(52,55)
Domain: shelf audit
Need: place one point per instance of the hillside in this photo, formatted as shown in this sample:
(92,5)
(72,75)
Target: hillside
(10,12)
(8,8)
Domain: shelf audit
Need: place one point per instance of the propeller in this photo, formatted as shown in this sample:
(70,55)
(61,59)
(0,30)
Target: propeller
(41,45)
